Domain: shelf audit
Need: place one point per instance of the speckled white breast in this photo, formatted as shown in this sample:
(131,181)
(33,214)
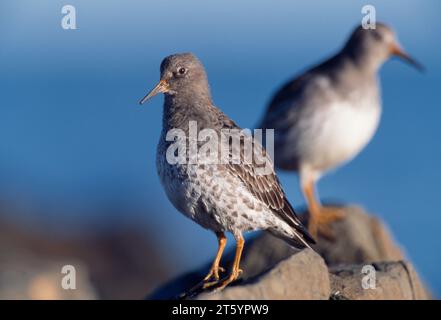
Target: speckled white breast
(213,198)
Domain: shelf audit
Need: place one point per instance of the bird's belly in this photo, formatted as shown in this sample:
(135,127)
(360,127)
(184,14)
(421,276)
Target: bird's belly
(338,135)
(212,198)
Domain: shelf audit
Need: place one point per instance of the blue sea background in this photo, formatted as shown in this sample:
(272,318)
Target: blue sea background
(73,138)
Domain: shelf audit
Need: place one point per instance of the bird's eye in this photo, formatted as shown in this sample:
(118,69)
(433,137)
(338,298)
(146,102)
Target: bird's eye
(378,36)
(181,70)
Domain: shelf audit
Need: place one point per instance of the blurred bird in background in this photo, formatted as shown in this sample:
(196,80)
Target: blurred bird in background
(222,197)
(327,115)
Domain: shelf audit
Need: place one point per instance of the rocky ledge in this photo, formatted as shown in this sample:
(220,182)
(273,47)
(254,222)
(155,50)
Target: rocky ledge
(364,262)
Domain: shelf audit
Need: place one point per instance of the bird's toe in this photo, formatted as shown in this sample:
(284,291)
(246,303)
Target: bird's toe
(330,214)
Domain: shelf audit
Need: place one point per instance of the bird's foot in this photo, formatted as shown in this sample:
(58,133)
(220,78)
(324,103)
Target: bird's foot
(226,281)
(213,273)
(331,214)
(211,279)
(320,224)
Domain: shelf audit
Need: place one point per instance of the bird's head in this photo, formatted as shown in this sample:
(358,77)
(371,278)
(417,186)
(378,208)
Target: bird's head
(181,74)
(373,47)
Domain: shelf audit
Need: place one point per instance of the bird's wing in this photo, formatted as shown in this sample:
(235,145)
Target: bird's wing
(264,186)
(289,91)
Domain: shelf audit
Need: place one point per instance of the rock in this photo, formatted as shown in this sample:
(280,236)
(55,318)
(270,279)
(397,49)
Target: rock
(359,238)
(303,276)
(393,281)
(274,270)
(260,254)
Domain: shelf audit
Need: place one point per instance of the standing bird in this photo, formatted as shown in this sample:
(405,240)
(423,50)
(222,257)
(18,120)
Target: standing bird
(328,114)
(220,196)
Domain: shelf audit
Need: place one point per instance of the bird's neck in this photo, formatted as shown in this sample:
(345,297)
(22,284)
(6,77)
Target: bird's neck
(349,75)
(366,63)
(180,109)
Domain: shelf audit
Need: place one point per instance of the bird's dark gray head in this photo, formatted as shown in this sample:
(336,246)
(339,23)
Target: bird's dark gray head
(182,74)
(372,47)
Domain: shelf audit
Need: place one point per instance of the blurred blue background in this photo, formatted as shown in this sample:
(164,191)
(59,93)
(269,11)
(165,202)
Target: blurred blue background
(73,139)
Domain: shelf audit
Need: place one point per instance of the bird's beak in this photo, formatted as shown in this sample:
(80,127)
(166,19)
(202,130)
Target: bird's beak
(161,87)
(396,50)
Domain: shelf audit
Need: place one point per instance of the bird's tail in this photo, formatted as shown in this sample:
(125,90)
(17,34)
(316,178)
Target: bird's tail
(298,238)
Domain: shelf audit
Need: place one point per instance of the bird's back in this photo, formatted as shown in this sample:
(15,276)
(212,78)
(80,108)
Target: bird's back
(319,83)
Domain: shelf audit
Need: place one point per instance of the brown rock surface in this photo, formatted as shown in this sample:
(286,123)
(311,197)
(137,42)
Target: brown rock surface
(359,238)
(274,270)
(394,281)
(303,276)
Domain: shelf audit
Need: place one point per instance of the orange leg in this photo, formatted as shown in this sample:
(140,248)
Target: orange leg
(236,271)
(215,268)
(319,217)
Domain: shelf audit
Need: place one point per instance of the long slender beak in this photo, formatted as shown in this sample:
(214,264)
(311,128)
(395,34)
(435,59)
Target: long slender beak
(396,50)
(161,87)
